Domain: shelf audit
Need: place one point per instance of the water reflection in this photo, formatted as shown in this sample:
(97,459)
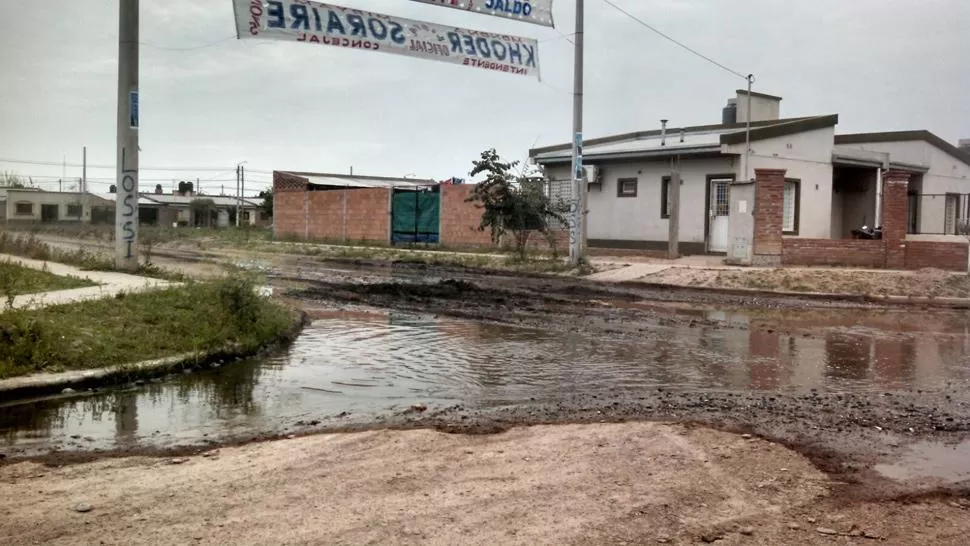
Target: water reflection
(371,364)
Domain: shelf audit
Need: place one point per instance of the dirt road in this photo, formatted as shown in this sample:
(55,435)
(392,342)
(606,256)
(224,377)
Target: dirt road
(577,479)
(573,484)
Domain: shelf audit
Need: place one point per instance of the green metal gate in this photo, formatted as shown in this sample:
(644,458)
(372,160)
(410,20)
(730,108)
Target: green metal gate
(415,215)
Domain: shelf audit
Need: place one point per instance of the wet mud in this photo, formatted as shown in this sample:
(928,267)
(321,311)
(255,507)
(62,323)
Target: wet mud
(873,395)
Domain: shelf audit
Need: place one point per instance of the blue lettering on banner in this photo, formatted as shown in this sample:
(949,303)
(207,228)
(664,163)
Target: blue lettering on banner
(515,7)
(334,24)
(276,14)
(301,19)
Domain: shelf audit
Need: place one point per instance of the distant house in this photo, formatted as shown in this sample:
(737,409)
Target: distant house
(30,205)
(25,205)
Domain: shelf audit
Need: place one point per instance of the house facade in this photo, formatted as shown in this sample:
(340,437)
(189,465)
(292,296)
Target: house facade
(27,205)
(833,184)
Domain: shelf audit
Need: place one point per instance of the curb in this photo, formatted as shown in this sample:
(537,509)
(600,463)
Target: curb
(45,384)
(946,303)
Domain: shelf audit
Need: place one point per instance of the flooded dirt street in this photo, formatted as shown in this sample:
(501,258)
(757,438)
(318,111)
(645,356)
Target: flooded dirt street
(833,419)
(855,387)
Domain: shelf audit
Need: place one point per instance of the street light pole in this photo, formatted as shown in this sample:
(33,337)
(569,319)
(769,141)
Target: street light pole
(126,204)
(576,230)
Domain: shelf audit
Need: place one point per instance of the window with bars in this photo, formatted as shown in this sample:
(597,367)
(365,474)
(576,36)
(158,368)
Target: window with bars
(626,187)
(74,211)
(24,209)
(790,206)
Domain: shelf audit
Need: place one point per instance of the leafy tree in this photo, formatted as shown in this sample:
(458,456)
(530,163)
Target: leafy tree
(158,189)
(513,203)
(203,211)
(112,189)
(267,197)
(10,180)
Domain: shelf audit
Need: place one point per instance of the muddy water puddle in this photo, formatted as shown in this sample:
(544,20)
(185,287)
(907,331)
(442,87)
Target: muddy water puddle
(353,367)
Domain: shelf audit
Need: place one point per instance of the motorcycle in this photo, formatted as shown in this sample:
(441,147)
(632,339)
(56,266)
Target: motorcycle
(865,232)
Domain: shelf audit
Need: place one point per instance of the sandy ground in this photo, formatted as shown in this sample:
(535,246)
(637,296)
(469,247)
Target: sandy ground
(923,283)
(571,484)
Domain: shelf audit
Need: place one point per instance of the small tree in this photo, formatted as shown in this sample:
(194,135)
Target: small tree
(512,202)
(267,197)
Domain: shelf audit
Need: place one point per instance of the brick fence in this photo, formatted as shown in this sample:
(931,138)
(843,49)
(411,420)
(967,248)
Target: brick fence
(833,252)
(949,256)
(893,251)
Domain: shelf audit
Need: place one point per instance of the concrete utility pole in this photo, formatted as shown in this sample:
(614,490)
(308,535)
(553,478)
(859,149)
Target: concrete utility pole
(84,169)
(579,187)
(238,169)
(126,204)
(242,189)
(673,212)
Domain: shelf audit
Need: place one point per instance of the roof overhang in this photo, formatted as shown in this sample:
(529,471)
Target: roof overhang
(904,136)
(651,155)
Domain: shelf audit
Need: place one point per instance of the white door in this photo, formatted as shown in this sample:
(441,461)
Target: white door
(717,237)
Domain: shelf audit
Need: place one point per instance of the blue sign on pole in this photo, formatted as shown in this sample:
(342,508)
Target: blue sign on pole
(133,109)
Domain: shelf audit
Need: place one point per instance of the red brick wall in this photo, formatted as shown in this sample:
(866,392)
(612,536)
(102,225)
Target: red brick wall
(939,255)
(769,197)
(368,215)
(834,252)
(460,219)
(289,216)
(895,205)
(326,213)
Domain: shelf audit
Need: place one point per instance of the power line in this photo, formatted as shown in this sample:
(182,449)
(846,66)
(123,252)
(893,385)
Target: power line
(674,40)
(172,169)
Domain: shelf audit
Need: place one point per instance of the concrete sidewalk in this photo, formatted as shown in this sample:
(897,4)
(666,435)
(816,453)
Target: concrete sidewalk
(109,284)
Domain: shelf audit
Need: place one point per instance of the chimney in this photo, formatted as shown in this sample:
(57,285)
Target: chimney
(663,132)
(964,144)
(729,114)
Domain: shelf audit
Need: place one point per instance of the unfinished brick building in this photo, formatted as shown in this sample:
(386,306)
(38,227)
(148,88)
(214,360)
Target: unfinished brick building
(369,209)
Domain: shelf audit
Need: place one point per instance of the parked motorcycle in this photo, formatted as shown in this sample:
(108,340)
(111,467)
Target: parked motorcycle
(865,232)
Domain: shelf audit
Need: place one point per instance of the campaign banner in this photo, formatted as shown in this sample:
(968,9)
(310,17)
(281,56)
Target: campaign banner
(529,11)
(323,24)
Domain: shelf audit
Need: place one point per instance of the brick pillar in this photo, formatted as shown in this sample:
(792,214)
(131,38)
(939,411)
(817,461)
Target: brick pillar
(769,197)
(895,211)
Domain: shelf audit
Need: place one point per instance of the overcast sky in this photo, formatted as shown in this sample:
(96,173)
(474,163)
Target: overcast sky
(881,64)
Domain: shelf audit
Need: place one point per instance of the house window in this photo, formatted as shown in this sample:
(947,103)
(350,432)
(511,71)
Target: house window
(665,197)
(626,187)
(74,211)
(25,209)
(790,206)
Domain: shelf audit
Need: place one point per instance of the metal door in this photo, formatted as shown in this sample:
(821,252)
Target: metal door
(950,215)
(415,215)
(720,207)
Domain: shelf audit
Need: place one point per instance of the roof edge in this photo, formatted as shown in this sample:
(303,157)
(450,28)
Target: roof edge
(782,129)
(903,136)
(655,132)
(355,176)
(756,94)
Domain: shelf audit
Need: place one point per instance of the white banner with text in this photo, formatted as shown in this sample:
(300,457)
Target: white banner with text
(322,24)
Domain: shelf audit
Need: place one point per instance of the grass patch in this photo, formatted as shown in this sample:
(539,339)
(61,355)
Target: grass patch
(16,280)
(199,316)
(29,246)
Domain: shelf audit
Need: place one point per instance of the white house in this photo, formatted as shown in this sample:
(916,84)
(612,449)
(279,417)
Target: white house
(832,181)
